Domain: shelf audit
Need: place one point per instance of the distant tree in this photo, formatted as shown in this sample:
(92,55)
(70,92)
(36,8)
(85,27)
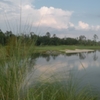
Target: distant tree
(48,34)
(82,40)
(54,35)
(89,42)
(1,31)
(95,37)
(32,34)
(71,41)
(8,33)
(2,37)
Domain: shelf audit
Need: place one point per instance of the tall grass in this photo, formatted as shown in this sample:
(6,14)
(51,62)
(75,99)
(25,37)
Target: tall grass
(13,68)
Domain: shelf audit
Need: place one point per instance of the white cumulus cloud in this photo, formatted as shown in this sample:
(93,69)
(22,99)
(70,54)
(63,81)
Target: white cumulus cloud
(83,26)
(45,16)
(53,17)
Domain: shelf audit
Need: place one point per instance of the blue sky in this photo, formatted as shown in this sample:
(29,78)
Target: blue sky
(65,18)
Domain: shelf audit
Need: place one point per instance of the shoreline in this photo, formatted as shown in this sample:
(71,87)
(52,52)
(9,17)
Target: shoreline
(77,50)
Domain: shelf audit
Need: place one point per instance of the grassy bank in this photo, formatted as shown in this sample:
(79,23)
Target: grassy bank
(43,49)
(64,47)
(14,68)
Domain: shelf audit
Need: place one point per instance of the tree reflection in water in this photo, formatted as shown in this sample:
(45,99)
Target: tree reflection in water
(95,57)
(82,56)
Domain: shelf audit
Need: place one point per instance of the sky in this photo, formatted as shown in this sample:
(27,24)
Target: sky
(65,18)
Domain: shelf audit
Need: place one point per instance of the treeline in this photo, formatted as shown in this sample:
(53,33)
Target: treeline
(47,39)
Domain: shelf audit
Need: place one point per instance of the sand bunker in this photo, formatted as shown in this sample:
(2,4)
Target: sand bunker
(77,51)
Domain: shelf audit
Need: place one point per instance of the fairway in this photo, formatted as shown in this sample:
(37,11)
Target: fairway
(64,47)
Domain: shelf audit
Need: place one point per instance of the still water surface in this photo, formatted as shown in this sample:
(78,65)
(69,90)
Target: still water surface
(83,67)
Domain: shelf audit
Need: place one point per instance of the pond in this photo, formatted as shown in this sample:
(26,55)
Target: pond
(82,67)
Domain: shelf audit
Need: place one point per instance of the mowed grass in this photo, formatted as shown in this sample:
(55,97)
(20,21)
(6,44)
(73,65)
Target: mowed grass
(43,49)
(64,47)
